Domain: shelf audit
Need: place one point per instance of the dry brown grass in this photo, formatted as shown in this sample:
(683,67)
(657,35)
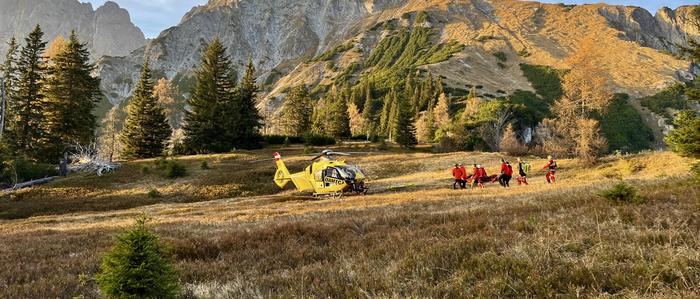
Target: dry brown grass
(411,238)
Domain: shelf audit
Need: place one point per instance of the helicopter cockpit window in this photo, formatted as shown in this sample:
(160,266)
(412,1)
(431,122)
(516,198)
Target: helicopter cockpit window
(332,172)
(345,172)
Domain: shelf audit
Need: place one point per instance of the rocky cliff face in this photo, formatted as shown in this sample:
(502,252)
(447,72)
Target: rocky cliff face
(107,30)
(282,36)
(664,31)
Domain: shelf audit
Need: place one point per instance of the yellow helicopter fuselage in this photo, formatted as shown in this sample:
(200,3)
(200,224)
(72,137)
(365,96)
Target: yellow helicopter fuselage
(325,176)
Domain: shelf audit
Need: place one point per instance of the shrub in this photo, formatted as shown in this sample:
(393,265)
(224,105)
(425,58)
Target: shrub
(622,193)
(145,170)
(138,266)
(318,140)
(20,170)
(382,146)
(204,165)
(154,193)
(501,56)
(309,150)
(175,170)
(281,139)
(695,172)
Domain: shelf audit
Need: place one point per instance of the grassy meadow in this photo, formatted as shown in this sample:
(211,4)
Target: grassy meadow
(234,234)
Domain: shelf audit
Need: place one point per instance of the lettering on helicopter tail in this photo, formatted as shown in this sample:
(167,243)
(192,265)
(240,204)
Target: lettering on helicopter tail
(334,181)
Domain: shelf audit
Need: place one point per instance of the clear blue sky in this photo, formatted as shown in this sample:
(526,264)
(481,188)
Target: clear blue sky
(154,16)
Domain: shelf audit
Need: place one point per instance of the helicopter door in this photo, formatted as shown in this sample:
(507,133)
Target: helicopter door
(330,172)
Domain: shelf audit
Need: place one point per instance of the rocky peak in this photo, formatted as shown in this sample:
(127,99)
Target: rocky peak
(107,30)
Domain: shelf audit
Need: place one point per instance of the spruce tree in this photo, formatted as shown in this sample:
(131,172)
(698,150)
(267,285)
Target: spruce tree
(405,130)
(146,129)
(685,138)
(392,122)
(210,123)
(72,94)
(368,114)
(384,118)
(319,125)
(25,127)
(138,266)
(339,119)
(249,121)
(11,80)
(297,112)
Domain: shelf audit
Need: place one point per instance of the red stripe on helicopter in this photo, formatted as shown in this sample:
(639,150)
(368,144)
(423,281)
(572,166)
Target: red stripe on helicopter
(277,157)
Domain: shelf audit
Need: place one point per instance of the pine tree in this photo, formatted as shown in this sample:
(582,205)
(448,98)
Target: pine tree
(338,119)
(318,125)
(384,118)
(138,266)
(249,121)
(439,89)
(392,121)
(357,124)
(472,105)
(297,112)
(25,128)
(72,94)
(427,92)
(11,80)
(685,138)
(167,95)
(404,130)
(213,104)
(425,127)
(146,130)
(441,113)
(368,114)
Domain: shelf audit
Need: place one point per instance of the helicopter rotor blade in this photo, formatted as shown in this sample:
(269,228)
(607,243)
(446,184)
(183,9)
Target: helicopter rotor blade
(263,160)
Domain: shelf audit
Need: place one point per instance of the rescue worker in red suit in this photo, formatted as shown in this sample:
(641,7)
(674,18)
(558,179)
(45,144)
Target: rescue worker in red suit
(551,169)
(465,175)
(458,175)
(476,177)
(506,174)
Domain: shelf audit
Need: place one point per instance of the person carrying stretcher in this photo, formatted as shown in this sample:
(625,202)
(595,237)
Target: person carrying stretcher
(458,175)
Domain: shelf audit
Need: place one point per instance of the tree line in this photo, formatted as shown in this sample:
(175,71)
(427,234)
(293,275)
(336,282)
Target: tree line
(50,97)
(222,115)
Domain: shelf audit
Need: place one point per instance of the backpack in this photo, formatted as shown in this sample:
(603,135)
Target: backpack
(553,166)
(526,167)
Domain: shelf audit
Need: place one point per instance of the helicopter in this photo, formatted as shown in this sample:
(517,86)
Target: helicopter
(326,175)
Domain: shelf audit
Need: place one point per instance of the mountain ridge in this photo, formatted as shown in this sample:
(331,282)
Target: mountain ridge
(281,42)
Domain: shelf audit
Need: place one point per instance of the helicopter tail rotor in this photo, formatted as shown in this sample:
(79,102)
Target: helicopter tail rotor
(282,175)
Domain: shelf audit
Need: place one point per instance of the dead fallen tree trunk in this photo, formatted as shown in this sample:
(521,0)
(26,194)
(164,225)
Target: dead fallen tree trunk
(33,183)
